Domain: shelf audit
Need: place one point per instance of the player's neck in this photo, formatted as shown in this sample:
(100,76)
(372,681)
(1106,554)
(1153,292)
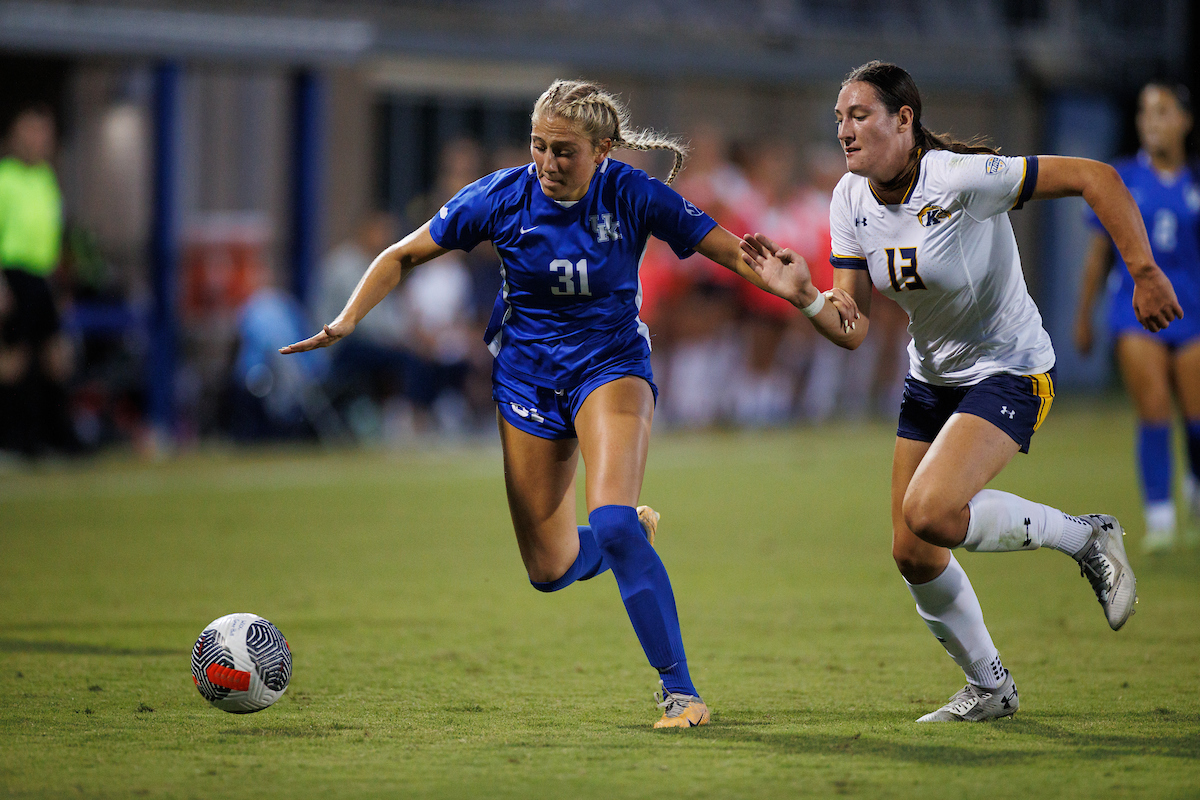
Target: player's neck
(1168,160)
(892,191)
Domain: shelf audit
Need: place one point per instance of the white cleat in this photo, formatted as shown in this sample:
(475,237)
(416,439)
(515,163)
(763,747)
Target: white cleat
(1104,563)
(973,704)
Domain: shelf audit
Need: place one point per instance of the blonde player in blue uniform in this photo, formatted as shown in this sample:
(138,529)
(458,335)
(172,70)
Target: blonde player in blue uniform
(1164,366)
(572,373)
(924,220)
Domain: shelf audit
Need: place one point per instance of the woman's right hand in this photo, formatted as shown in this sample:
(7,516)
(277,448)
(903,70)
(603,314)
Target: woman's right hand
(338,329)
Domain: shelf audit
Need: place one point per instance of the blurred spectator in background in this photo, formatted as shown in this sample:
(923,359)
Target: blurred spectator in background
(271,396)
(36,360)
(765,386)
(690,305)
(438,301)
(371,371)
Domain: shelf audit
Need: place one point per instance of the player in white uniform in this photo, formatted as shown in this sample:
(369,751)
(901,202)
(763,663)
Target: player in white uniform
(923,219)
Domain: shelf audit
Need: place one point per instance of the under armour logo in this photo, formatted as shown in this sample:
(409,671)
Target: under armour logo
(1006,411)
(1028,538)
(860,221)
(605,227)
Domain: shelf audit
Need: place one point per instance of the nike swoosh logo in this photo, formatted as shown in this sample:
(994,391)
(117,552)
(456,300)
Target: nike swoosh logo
(527,230)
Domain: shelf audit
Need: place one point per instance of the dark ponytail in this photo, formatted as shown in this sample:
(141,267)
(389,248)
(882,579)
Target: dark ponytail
(896,89)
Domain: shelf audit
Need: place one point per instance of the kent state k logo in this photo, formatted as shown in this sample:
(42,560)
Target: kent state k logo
(931,215)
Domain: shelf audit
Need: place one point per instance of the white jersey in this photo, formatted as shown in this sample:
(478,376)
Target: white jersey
(948,256)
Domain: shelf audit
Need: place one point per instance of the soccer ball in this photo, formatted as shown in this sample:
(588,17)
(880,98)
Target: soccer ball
(241,663)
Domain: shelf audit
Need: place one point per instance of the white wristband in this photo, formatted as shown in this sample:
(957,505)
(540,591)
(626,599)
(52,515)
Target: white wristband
(814,308)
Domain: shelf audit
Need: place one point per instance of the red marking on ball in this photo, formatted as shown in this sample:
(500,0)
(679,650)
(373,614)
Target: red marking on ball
(229,678)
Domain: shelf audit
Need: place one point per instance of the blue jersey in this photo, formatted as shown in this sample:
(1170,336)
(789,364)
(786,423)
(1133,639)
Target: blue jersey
(1171,210)
(570,298)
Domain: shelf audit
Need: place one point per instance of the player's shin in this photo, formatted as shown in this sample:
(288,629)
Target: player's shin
(1002,522)
(646,592)
(951,611)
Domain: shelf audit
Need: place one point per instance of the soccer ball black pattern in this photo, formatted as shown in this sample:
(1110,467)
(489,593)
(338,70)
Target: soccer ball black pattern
(241,663)
(270,653)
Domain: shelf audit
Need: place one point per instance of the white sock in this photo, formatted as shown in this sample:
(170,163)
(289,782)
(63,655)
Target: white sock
(951,611)
(1161,516)
(1002,522)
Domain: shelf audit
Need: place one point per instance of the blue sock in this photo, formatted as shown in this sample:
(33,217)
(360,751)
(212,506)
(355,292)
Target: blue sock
(588,564)
(1193,446)
(646,591)
(1154,460)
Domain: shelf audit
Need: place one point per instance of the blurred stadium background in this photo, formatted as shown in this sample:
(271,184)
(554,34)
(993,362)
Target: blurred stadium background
(224,167)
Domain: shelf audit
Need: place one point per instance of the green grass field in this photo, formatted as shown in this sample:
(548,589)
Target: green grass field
(425,665)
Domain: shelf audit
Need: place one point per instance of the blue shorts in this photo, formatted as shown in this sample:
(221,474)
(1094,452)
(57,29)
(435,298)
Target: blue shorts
(1016,404)
(1180,333)
(550,413)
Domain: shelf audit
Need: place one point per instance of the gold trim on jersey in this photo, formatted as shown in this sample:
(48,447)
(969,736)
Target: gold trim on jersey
(1021,191)
(908,192)
(1043,387)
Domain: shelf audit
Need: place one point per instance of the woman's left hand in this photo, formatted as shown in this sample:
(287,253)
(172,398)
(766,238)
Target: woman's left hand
(1154,300)
(781,270)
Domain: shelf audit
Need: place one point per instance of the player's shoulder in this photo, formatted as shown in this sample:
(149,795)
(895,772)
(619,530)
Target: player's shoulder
(950,172)
(507,180)
(627,177)
(848,188)
(497,190)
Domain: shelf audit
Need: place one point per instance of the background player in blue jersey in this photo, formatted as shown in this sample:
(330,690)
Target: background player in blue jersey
(1157,367)
(572,370)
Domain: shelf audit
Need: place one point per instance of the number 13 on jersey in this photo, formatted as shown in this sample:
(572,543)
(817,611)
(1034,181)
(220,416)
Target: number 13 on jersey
(568,276)
(907,277)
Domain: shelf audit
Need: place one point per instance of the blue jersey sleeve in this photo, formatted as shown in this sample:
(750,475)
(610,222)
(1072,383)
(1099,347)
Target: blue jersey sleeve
(465,220)
(672,218)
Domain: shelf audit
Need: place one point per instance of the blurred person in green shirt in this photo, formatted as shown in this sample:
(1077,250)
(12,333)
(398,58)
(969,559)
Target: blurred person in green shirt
(35,356)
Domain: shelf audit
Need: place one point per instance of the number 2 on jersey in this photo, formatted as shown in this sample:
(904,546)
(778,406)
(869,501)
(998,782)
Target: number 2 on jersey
(567,278)
(908,277)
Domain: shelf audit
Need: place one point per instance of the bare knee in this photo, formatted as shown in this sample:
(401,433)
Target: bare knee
(933,519)
(918,564)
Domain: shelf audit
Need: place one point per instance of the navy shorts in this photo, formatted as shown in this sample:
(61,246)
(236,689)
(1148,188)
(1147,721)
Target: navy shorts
(1016,404)
(550,413)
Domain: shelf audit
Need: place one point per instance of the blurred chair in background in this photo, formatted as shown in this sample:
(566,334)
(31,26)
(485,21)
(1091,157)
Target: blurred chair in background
(36,359)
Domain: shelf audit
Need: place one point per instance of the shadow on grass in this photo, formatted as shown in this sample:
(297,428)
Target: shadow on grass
(77,649)
(1026,740)
(296,732)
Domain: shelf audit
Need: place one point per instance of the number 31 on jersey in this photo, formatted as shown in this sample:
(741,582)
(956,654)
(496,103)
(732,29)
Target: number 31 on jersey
(568,277)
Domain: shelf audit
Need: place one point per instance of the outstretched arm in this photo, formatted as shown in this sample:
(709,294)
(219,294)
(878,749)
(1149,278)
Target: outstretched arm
(838,318)
(786,277)
(1154,300)
(385,272)
(1095,270)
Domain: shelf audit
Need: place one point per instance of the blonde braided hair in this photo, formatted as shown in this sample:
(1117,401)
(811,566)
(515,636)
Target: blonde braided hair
(599,115)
